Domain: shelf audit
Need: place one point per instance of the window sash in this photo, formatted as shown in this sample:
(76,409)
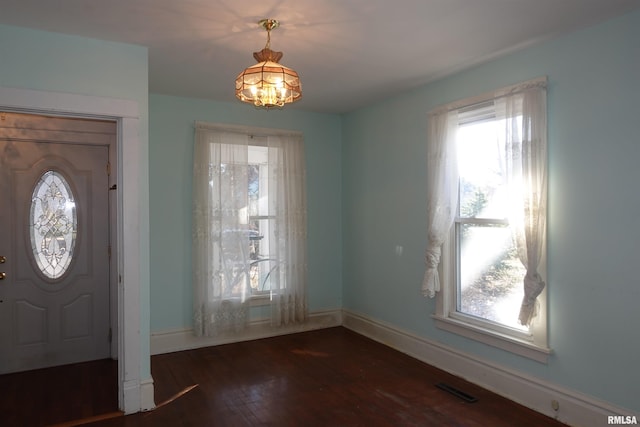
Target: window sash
(455,302)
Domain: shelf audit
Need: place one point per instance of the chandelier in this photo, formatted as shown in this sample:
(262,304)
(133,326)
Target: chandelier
(268,84)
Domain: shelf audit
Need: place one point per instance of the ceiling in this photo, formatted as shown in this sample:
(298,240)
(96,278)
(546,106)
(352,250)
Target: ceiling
(348,52)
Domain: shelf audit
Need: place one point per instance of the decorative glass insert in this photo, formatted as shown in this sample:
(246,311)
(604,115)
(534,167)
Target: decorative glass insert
(53,224)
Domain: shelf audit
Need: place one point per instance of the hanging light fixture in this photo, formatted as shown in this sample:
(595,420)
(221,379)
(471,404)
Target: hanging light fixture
(268,84)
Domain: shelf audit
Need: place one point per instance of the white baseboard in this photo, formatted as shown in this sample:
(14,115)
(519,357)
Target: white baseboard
(130,397)
(185,339)
(137,396)
(574,408)
(147,401)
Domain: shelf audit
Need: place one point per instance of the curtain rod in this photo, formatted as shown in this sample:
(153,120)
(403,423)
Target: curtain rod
(540,82)
(246,130)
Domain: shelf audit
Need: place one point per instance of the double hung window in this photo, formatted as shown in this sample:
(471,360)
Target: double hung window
(487,272)
(487,218)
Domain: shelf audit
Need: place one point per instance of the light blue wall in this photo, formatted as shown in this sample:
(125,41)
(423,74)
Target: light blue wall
(594,207)
(60,63)
(171,158)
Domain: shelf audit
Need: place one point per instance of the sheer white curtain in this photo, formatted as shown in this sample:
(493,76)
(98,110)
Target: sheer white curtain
(526,163)
(288,245)
(221,252)
(442,191)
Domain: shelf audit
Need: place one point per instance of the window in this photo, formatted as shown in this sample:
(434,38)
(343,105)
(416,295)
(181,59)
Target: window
(249,227)
(487,209)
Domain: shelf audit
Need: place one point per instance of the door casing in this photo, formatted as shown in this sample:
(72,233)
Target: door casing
(135,384)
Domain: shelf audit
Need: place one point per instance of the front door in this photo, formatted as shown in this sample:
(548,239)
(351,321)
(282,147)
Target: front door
(54,241)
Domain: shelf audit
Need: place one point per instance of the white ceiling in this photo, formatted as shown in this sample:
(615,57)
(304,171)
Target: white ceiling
(348,52)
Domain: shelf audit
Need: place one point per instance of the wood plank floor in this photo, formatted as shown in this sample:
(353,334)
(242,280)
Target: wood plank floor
(53,395)
(330,377)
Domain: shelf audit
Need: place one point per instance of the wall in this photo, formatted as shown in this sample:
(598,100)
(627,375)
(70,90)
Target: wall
(171,158)
(593,286)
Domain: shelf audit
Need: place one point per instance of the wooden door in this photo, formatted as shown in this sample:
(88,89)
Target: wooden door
(54,241)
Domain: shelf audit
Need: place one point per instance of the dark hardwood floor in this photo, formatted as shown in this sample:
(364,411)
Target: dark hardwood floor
(53,395)
(330,377)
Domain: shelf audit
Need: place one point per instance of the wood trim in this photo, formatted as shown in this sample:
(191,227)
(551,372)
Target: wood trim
(66,104)
(493,338)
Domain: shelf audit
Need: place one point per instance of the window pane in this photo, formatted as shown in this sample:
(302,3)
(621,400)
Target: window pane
(490,274)
(254,189)
(262,273)
(258,158)
(53,224)
(481,166)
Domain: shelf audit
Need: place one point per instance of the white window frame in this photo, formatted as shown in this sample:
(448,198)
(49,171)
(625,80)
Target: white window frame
(532,344)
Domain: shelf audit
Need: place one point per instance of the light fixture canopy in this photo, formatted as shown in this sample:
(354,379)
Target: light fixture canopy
(268,84)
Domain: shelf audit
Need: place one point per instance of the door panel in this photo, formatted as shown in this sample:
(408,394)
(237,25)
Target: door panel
(29,323)
(47,321)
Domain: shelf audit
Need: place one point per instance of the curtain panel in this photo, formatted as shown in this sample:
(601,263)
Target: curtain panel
(289,245)
(526,163)
(442,191)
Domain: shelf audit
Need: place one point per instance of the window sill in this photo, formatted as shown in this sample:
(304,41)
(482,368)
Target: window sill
(505,342)
(260,300)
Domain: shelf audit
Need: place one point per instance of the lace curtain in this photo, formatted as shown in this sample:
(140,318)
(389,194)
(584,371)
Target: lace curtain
(442,191)
(526,164)
(523,107)
(289,243)
(221,252)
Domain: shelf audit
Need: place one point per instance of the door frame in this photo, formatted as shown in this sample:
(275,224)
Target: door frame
(135,393)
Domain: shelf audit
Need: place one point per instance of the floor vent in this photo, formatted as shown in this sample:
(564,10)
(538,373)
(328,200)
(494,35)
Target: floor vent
(458,393)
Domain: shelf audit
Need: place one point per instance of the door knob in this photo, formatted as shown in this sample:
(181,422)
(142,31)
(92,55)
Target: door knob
(3,259)
(2,275)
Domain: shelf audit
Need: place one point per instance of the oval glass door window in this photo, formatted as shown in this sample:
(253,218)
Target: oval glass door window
(53,224)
